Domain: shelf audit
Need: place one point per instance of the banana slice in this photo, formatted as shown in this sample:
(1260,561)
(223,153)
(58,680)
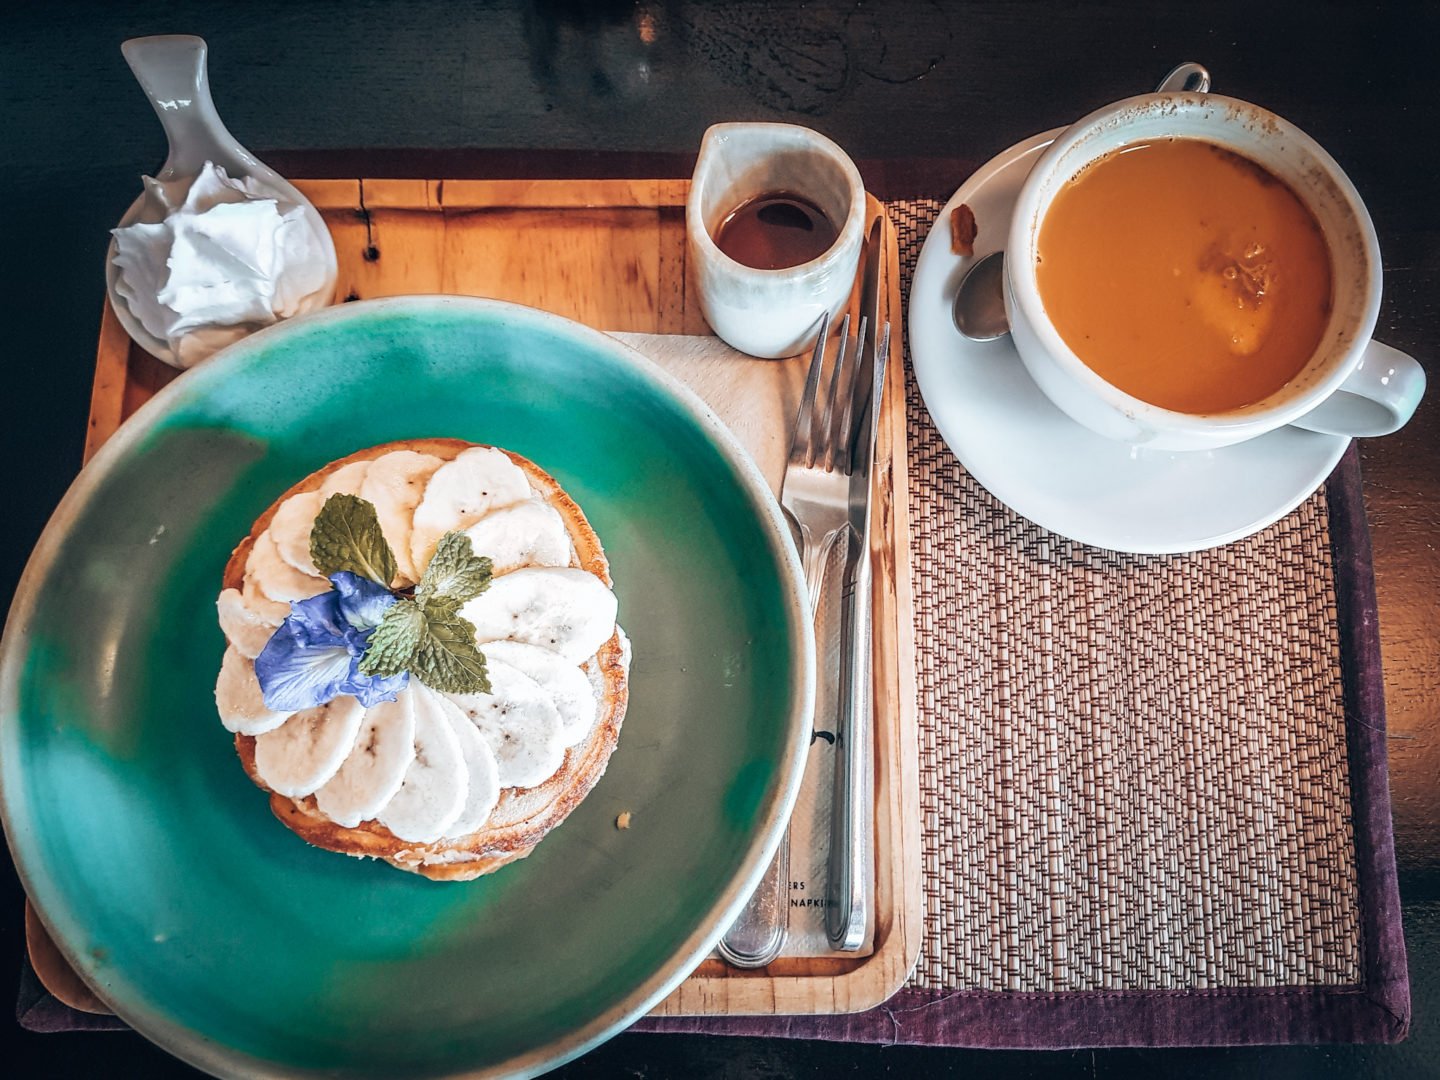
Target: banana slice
(461,492)
(275,578)
(290,529)
(567,685)
(394,486)
(346,480)
(521,725)
(566,610)
(245,627)
(275,611)
(240,700)
(529,533)
(433,792)
(305,751)
(373,772)
(483,772)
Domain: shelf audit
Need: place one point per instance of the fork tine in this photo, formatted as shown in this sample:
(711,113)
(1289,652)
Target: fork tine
(837,378)
(842,452)
(802,448)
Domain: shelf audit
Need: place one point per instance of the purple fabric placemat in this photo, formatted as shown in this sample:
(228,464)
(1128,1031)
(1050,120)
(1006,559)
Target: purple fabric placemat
(1338,970)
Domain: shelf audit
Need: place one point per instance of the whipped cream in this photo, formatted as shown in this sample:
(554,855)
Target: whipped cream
(228,257)
(429,766)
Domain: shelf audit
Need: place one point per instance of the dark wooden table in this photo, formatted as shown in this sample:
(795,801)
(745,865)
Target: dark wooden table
(920,91)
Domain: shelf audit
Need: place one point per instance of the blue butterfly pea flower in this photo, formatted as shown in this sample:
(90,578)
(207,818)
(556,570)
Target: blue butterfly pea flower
(315,655)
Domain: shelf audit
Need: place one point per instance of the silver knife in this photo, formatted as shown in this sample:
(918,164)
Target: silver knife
(851,840)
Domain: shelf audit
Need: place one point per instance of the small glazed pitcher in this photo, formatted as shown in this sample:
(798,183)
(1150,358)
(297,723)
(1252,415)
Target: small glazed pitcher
(772,313)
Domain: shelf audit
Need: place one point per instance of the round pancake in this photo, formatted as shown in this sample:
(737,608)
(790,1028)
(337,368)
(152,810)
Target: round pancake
(524,815)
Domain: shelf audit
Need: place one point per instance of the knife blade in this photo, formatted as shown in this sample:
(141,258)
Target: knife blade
(870,312)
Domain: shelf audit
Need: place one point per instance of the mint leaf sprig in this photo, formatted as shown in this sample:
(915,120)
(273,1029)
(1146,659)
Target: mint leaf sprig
(347,536)
(455,575)
(424,634)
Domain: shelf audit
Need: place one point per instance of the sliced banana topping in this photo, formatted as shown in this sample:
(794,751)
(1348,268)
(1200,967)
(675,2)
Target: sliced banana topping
(428,765)
(240,700)
(520,723)
(394,486)
(529,533)
(462,491)
(566,610)
(346,480)
(245,628)
(568,686)
(305,751)
(435,786)
(376,767)
(290,529)
(275,611)
(483,772)
(275,578)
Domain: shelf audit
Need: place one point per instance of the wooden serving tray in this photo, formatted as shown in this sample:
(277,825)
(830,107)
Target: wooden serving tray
(612,254)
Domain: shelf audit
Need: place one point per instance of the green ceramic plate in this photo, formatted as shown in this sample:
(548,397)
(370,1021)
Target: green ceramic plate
(222,936)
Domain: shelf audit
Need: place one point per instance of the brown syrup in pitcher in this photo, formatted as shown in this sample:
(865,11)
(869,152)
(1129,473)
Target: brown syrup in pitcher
(776,231)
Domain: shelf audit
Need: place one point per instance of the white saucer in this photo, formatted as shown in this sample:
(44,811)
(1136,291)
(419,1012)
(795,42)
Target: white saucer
(1043,465)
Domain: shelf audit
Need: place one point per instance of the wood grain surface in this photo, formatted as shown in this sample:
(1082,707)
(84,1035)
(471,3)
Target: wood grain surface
(919,92)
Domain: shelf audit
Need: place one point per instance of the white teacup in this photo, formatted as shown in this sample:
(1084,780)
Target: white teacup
(1351,386)
(772,313)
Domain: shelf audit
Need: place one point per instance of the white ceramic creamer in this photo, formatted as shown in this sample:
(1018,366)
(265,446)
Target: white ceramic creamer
(772,313)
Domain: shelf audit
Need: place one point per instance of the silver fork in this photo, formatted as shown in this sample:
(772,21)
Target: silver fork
(816,490)
(815,495)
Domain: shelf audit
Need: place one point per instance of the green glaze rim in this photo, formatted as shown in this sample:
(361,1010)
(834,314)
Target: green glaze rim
(230,363)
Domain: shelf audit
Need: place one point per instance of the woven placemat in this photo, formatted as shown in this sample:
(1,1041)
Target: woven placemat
(1133,768)
(1154,788)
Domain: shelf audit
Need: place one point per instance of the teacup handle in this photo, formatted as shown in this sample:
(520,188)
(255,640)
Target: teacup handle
(1379,397)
